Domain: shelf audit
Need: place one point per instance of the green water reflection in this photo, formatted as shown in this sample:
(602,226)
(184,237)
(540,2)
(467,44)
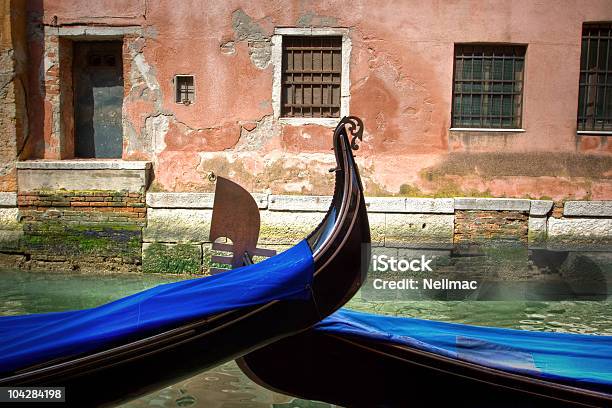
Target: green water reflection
(587,317)
(23,292)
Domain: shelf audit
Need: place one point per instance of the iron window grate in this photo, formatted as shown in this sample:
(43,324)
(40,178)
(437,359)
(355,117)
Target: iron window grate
(488,86)
(185,89)
(595,86)
(311,74)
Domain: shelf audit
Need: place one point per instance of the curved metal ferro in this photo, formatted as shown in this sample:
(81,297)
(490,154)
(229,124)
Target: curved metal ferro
(235,216)
(355,128)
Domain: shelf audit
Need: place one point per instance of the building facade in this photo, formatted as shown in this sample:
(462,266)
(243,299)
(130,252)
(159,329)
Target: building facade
(105,101)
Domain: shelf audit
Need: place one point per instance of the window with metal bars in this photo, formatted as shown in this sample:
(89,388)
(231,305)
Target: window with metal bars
(185,89)
(311,73)
(595,88)
(488,86)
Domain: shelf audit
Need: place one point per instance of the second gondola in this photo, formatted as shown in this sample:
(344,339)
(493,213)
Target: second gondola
(356,359)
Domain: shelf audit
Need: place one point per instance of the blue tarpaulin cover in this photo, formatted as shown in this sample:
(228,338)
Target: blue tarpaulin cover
(575,359)
(32,339)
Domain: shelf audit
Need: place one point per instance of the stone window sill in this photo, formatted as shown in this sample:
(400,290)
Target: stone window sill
(486,130)
(595,132)
(84,164)
(327,122)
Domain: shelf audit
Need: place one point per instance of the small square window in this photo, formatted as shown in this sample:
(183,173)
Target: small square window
(185,89)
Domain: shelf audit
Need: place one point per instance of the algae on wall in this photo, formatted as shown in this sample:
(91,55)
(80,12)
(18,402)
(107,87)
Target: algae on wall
(172,258)
(73,240)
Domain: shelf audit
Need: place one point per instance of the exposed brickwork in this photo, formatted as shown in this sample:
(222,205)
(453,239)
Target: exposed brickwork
(66,99)
(479,226)
(557,211)
(82,229)
(13,64)
(52,80)
(92,206)
(127,63)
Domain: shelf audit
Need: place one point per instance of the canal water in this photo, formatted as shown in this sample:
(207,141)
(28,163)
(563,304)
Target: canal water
(530,290)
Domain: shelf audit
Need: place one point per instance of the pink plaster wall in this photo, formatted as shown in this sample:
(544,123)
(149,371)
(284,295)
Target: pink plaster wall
(401,85)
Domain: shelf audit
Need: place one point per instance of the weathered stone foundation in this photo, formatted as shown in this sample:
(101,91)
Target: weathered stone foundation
(82,229)
(86,215)
(168,232)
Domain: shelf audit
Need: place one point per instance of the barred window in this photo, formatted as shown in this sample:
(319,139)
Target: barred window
(595,88)
(185,89)
(488,86)
(311,76)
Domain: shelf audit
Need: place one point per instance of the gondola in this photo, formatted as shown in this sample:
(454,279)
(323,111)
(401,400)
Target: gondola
(151,339)
(357,359)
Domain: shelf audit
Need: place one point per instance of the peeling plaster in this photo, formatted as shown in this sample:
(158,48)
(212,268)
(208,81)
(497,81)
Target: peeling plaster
(142,73)
(7,168)
(48,63)
(260,53)
(298,187)
(156,127)
(146,72)
(245,28)
(311,19)
(144,88)
(228,48)
(256,138)
(260,45)
(273,172)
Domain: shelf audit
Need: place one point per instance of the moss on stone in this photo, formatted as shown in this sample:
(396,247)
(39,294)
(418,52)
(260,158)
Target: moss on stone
(542,197)
(207,262)
(536,237)
(102,226)
(273,232)
(63,192)
(155,187)
(410,190)
(179,258)
(445,189)
(74,240)
(278,234)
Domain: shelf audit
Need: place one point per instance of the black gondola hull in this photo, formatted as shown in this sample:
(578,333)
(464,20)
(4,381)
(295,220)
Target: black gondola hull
(354,372)
(125,376)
